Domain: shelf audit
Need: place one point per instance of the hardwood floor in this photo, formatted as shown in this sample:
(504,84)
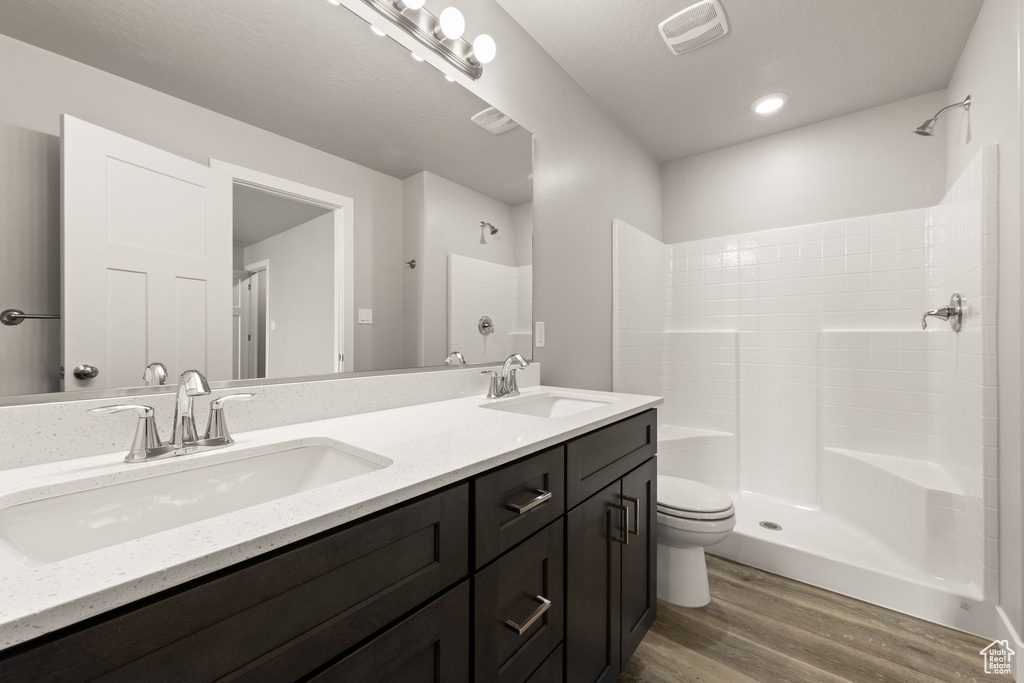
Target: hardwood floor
(767,628)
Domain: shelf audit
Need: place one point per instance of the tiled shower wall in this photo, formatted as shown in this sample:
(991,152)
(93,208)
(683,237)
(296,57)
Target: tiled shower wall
(504,293)
(830,353)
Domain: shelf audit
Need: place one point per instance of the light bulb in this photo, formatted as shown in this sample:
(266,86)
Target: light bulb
(484,48)
(452,23)
(409,4)
(377,31)
(769,104)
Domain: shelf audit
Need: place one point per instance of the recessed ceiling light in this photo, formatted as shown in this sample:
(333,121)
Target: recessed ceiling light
(769,104)
(377,31)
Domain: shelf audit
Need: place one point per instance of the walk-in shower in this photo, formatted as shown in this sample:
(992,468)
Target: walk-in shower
(859,448)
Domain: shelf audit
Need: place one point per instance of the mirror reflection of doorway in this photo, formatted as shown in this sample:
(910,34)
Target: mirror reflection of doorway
(290,332)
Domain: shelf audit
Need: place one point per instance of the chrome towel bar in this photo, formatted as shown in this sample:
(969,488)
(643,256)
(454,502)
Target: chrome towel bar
(13,316)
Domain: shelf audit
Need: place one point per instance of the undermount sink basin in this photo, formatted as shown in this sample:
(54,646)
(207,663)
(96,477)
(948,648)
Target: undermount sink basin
(548,405)
(52,529)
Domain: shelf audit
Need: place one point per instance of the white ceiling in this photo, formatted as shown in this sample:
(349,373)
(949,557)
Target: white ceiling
(258,215)
(831,57)
(304,69)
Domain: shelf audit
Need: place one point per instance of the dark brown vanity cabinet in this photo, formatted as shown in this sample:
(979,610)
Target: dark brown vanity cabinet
(487,580)
(611,562)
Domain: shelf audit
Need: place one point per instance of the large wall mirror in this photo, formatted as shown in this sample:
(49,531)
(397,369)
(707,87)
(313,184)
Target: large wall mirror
(254,188)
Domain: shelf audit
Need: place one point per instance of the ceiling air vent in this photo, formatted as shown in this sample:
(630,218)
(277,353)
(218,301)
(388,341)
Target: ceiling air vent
(493,121)
(694,27)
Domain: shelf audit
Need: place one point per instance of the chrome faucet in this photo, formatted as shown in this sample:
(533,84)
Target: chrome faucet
(506,384)
(148,445)
(455,358)
(191,383)
(155,374)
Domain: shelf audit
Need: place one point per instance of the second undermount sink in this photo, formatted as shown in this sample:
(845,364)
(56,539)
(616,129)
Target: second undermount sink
(549,404)
(53,529)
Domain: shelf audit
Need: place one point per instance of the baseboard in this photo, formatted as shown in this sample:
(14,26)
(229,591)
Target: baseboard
(1006,631)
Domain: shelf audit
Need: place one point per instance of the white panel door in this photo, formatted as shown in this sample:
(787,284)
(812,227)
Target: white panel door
(146,251)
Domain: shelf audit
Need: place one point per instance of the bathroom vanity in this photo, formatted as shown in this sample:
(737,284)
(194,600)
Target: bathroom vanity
(532,559)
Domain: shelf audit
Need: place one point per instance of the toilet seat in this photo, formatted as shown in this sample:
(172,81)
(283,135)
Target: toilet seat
(692,500)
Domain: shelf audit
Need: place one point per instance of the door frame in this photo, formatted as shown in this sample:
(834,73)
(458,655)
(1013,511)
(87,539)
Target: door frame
(263,268)
(228,175)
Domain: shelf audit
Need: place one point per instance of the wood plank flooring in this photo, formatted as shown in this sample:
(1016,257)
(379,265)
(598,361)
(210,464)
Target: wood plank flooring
(770,629)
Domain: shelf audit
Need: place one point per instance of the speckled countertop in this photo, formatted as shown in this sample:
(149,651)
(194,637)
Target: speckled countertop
(429,446)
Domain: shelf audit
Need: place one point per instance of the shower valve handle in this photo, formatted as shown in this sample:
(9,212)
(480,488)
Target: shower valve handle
(954,313)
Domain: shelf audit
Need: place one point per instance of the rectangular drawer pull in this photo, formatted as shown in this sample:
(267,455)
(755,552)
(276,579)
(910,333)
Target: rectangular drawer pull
(544,606)
(541,497)
(636,515)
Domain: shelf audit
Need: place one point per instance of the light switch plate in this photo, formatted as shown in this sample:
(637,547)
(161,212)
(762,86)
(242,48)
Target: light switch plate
(538,335)
(365,316)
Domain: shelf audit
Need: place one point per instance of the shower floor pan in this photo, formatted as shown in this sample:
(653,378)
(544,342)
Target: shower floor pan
(825,550)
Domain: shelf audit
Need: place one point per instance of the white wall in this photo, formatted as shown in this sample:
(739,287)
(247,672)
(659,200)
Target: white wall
(413,279)
(989,71)
(522,228)
(29,263)
(301,290)
(39,86)
(860,164)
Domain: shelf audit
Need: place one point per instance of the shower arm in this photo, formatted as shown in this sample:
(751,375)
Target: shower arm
(966,104)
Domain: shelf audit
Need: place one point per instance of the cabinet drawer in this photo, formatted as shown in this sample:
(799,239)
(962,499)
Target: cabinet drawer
(273,618)
(519,608)
(429,646)
(551,670)
(597,459)
(513,502)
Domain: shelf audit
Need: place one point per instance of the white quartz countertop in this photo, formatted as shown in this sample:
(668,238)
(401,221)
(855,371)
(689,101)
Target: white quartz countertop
(429,446)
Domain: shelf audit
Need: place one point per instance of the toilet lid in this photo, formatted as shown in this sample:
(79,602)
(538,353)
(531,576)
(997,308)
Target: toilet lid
(686,495)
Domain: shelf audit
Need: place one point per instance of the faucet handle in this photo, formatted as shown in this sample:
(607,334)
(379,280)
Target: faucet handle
(217,424)
(512,384)
(494,390)
(147,437)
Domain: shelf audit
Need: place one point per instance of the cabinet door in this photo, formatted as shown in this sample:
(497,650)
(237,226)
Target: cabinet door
(431,646)
(640,556)
(593,587)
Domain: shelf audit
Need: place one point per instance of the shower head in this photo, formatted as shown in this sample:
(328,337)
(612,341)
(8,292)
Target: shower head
(484,226)
(927,128)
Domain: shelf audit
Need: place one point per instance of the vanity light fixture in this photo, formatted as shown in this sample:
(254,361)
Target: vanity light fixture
(769,104)
(442,35)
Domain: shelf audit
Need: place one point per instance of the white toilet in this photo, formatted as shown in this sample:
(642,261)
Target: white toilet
(691,516)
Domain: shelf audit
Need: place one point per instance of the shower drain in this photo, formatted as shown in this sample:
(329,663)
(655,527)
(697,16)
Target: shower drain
(772,526)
